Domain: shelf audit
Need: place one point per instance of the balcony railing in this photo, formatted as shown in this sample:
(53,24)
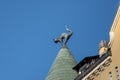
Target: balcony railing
(93,66)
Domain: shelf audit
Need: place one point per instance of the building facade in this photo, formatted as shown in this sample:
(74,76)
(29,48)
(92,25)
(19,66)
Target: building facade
(105,65)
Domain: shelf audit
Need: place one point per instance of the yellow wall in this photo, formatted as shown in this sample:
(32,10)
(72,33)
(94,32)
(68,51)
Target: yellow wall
(115,50)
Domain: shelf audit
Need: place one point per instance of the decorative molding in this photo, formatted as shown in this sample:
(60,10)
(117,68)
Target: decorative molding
(101,67)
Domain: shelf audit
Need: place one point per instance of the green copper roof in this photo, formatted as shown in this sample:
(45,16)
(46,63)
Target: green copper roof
(62,66)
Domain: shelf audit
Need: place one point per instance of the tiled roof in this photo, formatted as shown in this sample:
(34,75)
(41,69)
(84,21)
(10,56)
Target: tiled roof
(61,69)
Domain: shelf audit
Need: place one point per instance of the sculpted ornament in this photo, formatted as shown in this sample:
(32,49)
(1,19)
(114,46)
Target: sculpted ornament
(64,37)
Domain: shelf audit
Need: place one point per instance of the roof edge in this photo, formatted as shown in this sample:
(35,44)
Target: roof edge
(115,20)
(113,27)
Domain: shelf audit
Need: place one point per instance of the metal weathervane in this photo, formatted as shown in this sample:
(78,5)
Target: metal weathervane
(64,37)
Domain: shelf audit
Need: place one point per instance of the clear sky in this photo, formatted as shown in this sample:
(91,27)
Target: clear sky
(28,27)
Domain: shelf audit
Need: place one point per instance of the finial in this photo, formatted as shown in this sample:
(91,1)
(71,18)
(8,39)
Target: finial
(64,37)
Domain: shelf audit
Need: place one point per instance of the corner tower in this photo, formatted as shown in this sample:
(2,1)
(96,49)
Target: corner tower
(61,68)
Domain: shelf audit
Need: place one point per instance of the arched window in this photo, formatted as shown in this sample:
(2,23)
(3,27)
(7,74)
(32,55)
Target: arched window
(117,73)
(110,75)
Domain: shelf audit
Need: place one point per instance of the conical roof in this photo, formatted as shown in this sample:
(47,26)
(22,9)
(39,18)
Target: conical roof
(62,66)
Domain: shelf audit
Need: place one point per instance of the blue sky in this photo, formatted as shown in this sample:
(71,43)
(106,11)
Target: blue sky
(28,27)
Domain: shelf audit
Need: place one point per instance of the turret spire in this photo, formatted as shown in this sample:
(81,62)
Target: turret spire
(61,68)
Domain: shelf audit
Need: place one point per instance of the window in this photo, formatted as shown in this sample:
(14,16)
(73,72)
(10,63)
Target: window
(110,76)
(117,73)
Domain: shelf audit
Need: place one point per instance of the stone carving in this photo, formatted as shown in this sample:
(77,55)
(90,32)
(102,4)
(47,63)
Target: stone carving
(103,47)
(64,37)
